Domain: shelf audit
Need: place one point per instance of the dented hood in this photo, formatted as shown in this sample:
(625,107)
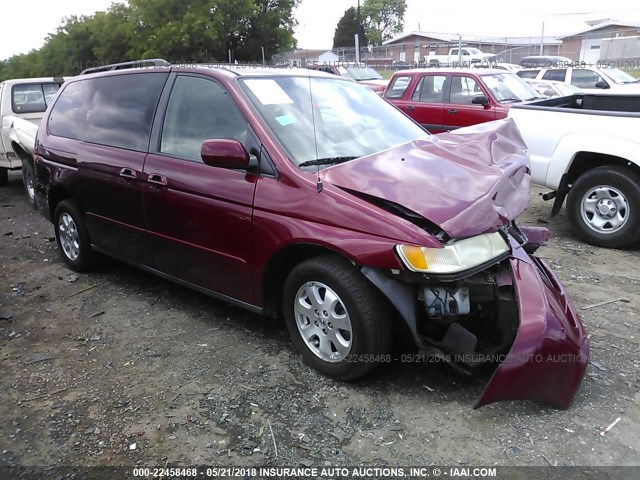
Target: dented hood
(470,181)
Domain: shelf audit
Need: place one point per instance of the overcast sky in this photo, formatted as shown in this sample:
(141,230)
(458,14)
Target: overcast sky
(26,23)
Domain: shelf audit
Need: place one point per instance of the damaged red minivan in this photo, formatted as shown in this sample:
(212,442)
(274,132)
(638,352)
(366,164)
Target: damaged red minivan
(302,195)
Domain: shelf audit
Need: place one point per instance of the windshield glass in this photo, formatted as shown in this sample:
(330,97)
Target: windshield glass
(508,87)
(358,73)
(320,118)
(618,76)
(473,51)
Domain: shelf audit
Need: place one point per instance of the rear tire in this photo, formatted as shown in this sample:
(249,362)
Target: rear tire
(72,237)
(4,176)
(337,320)
(29,181)
(604,207)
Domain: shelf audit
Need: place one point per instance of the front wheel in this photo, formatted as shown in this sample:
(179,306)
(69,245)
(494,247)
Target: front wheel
(604,207)
(4,176)
(337,320)
(72,237)
(29,181)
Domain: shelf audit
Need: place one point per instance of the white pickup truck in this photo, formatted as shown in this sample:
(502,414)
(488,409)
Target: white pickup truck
(22,106)
(464,57)
(587,147)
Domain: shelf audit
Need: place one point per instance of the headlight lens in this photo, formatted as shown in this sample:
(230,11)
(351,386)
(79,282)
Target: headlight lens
(455,257)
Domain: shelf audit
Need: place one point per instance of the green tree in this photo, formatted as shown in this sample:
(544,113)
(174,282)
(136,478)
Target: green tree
(346,30)
(383,19)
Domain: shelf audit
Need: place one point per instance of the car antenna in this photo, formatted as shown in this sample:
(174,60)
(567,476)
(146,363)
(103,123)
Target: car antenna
(319,185)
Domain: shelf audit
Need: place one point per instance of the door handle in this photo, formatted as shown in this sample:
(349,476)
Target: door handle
(410,108)
(157,180)
(128,174)
(452,110)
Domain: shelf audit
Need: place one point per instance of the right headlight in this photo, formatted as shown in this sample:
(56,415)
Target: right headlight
(455,257)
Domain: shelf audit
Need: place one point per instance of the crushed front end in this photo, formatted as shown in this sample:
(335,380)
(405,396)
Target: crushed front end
(509,310)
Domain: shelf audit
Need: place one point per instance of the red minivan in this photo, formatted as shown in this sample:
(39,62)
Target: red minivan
(444,99)
(302,195)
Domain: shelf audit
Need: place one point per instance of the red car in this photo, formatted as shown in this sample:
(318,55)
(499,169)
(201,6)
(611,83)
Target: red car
(302,195)
(445,99)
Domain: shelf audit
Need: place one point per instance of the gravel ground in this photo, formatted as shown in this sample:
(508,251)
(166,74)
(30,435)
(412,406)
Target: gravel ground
(118,367)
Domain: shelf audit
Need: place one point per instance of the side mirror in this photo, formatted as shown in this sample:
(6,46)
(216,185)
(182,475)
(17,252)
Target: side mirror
(480,100)
(224,153)
(602,84)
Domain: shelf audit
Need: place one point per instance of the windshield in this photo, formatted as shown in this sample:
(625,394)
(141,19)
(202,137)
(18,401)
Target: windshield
(508,87)
(618,76)
(359,73)
(324,118)
(474,51)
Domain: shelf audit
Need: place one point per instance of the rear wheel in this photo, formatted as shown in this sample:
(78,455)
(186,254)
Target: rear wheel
(604,207)
(4,176)
(337,320)
(72,237)
(28,178)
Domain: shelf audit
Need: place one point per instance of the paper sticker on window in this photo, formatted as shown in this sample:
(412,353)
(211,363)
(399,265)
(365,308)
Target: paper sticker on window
(268,91)
(285,120)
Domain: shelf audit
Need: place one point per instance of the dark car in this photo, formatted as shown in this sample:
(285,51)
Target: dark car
(299,194)
(545,61)
(448,98)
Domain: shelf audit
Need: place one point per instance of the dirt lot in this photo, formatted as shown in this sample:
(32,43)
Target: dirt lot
(117,367)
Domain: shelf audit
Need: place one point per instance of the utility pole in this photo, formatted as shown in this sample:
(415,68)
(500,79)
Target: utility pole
(358,35)
(459,50)
(542,39)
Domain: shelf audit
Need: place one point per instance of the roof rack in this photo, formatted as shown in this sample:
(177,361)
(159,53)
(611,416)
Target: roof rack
(152,62)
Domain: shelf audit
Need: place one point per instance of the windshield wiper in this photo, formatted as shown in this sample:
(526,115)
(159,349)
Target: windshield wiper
(511,99)
(326,161)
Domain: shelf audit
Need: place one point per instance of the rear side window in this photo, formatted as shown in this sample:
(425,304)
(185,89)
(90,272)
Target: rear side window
(583,78)
(557,74)
(198,110)
(528,73)
(32,97)
(116,111)
(398,87)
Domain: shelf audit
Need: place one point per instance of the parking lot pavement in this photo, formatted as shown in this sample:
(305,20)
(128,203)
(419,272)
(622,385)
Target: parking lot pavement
(119,367)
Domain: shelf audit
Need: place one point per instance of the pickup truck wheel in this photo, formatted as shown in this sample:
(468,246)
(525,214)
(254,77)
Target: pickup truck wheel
(604,207)
(4,176)
(29,181)
(337,320)
(72,237)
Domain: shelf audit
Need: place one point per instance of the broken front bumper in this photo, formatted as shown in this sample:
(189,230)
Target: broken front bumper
(549,355)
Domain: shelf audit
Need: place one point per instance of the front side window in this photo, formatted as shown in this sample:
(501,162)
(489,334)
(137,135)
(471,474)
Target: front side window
(115,110)
(430,89)
(328,118)
(463,89)
(199,110)
(583,78)
(33,97)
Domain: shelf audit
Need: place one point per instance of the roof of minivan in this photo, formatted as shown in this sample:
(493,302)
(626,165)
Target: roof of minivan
(473,71)
(227,70)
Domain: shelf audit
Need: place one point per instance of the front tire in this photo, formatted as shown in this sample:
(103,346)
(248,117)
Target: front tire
(604,207)
(72,237)
(337,320)
(4,176)
(29,181)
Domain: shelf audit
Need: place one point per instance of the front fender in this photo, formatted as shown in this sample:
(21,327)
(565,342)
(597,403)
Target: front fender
(572,144)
